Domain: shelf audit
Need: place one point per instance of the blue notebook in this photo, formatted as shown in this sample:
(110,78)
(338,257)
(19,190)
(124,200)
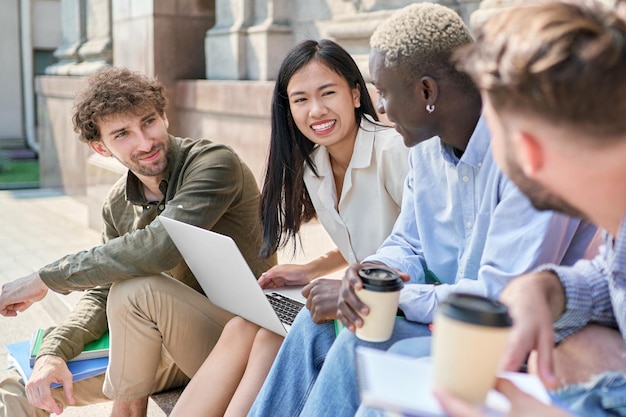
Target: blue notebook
(19,354)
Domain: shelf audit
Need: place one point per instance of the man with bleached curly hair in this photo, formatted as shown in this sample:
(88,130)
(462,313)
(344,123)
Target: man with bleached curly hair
(461,218)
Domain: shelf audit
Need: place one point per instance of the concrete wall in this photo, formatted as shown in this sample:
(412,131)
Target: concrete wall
(46,30)
(163,38)
(63,156)
(232,112)
(251,37)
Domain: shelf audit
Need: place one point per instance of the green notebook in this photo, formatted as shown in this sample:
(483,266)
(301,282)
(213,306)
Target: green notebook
(339,326)
(96,349)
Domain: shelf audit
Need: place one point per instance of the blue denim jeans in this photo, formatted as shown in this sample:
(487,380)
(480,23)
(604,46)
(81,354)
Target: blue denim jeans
(605,395)
(335,393)
(295,368)
(298,384)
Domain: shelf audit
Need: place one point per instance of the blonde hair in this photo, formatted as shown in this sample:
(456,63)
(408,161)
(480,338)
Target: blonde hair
(565,61)
(421,37)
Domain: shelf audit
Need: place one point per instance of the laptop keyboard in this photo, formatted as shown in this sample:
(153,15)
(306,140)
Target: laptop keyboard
(286,308)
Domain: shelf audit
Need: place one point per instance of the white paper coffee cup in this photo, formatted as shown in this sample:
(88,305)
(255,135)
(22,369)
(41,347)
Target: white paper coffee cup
(381,293)
(469,336)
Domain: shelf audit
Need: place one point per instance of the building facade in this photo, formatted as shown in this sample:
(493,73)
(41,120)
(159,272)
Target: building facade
(218,59)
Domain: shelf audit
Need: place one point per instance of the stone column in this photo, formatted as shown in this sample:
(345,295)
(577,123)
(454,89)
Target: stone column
(73,24)
(97,52)
(269,39)
(353,33)
(351,23)
(225,43)
(163,38)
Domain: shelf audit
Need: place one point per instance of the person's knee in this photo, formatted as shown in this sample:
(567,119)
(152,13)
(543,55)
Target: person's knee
(346,341)
(13,397)
(126,292)
(268,338)
(595,345)
(304,327)
(307,338)
(13,384)
(239,328)
(416,347)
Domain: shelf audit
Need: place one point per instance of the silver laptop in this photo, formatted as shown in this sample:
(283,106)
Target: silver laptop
(228,281)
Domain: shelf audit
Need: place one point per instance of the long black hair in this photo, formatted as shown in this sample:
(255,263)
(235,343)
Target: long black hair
(285,202)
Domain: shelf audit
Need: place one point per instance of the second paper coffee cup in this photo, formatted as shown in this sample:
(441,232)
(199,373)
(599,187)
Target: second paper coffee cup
(469,336)
(381,292)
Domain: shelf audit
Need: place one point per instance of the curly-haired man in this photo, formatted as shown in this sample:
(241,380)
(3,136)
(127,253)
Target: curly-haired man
(136,277)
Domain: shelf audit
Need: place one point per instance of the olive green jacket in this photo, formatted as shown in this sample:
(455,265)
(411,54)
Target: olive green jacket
(206,184)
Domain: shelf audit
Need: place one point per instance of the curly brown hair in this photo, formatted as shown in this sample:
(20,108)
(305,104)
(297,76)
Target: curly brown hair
(111,92)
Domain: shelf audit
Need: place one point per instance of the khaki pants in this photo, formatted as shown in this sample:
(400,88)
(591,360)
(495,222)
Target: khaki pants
(161,332)
(151,317)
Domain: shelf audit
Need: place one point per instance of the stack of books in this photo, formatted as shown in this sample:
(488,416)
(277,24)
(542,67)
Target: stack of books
(92,361)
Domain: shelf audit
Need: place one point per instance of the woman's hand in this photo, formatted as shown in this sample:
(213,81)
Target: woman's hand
(285,274)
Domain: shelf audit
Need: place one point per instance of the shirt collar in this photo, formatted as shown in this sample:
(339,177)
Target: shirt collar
(477,148)
(364,143)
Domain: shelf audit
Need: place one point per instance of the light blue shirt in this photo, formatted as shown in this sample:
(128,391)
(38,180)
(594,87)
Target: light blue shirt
(472,227)
(595,290)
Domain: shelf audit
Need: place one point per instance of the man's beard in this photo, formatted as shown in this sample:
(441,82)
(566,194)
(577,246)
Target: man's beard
(154,169)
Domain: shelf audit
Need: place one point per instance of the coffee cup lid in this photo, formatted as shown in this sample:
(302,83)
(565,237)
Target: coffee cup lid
(476,309)
(380,278)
